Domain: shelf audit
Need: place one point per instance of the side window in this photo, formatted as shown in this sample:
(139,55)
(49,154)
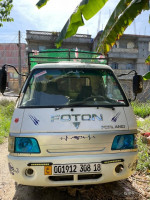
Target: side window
(29,92)
(98,85)
(41,48)
(116,45)
(130,45)
(113,91)
(114,65)
(129,66)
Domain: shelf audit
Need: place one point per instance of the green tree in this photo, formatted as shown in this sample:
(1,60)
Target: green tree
(5,8)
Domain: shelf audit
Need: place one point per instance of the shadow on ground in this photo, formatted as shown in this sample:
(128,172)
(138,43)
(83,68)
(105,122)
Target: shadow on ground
(109,191)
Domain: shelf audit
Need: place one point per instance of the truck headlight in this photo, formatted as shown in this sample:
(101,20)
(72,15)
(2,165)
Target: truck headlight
(26,145)
(121,142)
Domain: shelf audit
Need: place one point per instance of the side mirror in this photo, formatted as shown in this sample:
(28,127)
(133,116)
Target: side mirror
(3,79)
(137,84)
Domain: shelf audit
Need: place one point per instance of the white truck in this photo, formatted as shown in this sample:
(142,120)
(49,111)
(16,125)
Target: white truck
(72,125)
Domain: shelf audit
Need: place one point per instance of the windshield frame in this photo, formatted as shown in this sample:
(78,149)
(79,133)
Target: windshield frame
(24,89)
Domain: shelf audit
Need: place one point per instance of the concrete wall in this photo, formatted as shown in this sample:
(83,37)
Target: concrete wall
(9,55)
(130,49)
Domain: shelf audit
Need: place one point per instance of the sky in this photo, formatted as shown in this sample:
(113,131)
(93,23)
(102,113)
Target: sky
(54,15)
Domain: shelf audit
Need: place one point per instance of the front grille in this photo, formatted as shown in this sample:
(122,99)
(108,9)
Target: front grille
(61,178)
(89,176)
(71,177)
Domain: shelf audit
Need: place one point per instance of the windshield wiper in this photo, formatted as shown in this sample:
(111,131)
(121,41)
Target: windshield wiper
(74,104)
(79,103)
(58,108)
(106,106)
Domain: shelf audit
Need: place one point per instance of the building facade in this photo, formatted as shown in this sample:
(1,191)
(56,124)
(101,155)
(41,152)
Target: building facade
(129,53)
(42,40)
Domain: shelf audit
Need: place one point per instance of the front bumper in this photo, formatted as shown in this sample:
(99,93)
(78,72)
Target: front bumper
(18,166)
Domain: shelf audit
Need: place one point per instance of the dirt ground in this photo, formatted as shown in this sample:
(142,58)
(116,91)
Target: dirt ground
(8,97)
(134,188)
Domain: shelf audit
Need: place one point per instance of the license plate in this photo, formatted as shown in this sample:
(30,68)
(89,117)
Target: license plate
(79,168)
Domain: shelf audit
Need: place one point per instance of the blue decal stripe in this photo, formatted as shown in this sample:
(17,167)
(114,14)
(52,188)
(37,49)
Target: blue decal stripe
(34,119)
(114,119)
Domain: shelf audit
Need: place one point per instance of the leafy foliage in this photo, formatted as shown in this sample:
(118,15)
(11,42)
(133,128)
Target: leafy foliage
(5,8)
(143,164)
(122,5)
(124,14)
(87,8)
(147,75)
(147,61)
(141,109)
(6,111)
(144,124)
(41,3)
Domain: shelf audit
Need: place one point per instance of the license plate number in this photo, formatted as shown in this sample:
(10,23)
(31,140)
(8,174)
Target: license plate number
(76,168)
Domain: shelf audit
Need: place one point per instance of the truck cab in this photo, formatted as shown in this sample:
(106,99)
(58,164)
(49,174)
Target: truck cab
(72,125)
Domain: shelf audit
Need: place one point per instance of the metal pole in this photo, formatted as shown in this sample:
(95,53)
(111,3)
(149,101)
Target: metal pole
(19,58)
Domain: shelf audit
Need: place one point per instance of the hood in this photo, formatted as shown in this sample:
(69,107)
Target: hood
(47,120)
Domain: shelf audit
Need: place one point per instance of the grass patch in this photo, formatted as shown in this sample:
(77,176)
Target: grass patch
(141,109)
(6,111)
(143,164)
(144,125)
(143,149)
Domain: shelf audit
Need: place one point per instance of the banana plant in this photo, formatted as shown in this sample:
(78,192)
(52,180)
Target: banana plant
(122,5)
(86,9)
(147,61)
(124,14)
(147,75)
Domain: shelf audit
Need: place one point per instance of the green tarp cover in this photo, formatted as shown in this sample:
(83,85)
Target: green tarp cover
(57,55)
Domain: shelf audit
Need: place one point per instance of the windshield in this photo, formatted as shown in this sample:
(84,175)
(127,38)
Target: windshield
(72,87)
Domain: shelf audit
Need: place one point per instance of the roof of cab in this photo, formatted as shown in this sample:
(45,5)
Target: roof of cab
(69,64)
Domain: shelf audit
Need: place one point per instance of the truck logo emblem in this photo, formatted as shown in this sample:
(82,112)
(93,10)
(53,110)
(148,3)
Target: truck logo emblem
(76,124)
(76,118)
(34,119)
(114,119)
